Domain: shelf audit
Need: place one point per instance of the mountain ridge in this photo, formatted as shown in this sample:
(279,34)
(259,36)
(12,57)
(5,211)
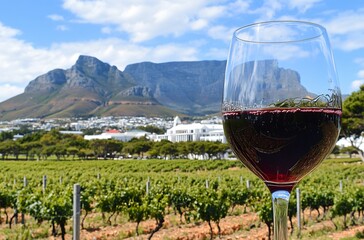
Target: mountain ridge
(94,88)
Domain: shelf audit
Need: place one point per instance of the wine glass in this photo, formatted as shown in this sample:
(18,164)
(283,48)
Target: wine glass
(281,105)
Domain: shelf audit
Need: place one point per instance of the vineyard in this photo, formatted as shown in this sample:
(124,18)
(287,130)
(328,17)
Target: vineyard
(172,199)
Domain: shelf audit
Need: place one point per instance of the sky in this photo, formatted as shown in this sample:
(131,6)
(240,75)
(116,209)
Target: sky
(41,35)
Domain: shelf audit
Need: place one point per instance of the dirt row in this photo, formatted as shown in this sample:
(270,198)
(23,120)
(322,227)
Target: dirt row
(245,226)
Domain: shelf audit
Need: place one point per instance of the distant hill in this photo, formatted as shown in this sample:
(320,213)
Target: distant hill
(94,88)
(194,88)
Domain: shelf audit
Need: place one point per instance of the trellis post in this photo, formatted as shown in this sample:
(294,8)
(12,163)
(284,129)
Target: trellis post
(76,211)
(298,197)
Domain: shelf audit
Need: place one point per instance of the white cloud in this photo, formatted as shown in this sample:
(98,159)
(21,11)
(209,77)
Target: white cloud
(239,7)
(121,53)
(303,5)
(346,22)
(144,20)
(19,60)
(8,91)
(56,17)
(199,24)
(269,9)
(287,52)
(347,29)
(7,32)
(221,32)
(349,42)
(106,30)
(166,52)
(361,74)
(355,85)
(212,12)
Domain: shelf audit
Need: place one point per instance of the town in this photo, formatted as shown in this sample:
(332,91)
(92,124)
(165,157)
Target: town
(126,128)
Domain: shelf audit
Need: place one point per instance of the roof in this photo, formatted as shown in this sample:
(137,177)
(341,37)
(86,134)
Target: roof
(194,126)
(113,131)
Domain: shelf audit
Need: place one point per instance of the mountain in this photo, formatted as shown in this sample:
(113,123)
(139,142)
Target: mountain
(193,88)
(272,84)
(88,88)
(94,88)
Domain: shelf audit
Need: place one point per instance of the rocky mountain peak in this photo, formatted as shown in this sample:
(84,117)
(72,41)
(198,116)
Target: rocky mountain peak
(47,82)
(91,65)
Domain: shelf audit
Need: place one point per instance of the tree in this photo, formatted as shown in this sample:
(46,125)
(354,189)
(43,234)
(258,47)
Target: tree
(77,141)
(30,147)
(51,138)
(152,129)
(137,146)
(353,120)
(336,150)
(168,149)
(60,151)
(106,147)
(73,151)
(349,150)
(99,147)
(6,148)
(6,136)
(47,151)
(113,146)
(216,149)
(199,149)
(86,153)
(16,149)
(182,149)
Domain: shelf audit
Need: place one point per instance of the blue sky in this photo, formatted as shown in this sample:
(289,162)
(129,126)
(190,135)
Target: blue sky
(41,35)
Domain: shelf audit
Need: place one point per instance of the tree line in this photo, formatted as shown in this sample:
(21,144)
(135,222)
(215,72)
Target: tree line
(41,145)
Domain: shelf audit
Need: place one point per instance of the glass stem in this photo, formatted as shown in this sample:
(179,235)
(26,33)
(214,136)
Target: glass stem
(280,208)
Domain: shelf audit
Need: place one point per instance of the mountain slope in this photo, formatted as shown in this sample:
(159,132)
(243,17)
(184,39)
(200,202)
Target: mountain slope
(90,87)
(94,88)
(191,87)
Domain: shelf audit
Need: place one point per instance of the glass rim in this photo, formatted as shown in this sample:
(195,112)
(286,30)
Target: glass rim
(322,31)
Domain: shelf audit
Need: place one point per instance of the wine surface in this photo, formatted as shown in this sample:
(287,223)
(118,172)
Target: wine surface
(282,145)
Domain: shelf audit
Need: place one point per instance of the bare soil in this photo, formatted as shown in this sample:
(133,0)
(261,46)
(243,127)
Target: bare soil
(244,226)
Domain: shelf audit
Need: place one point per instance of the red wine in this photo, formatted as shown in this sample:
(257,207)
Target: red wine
(282,145)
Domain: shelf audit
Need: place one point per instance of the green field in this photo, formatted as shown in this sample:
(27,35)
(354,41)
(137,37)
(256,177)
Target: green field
(111,189)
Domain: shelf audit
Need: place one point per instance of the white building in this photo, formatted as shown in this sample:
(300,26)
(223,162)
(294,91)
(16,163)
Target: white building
(192,132)
(114,134)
